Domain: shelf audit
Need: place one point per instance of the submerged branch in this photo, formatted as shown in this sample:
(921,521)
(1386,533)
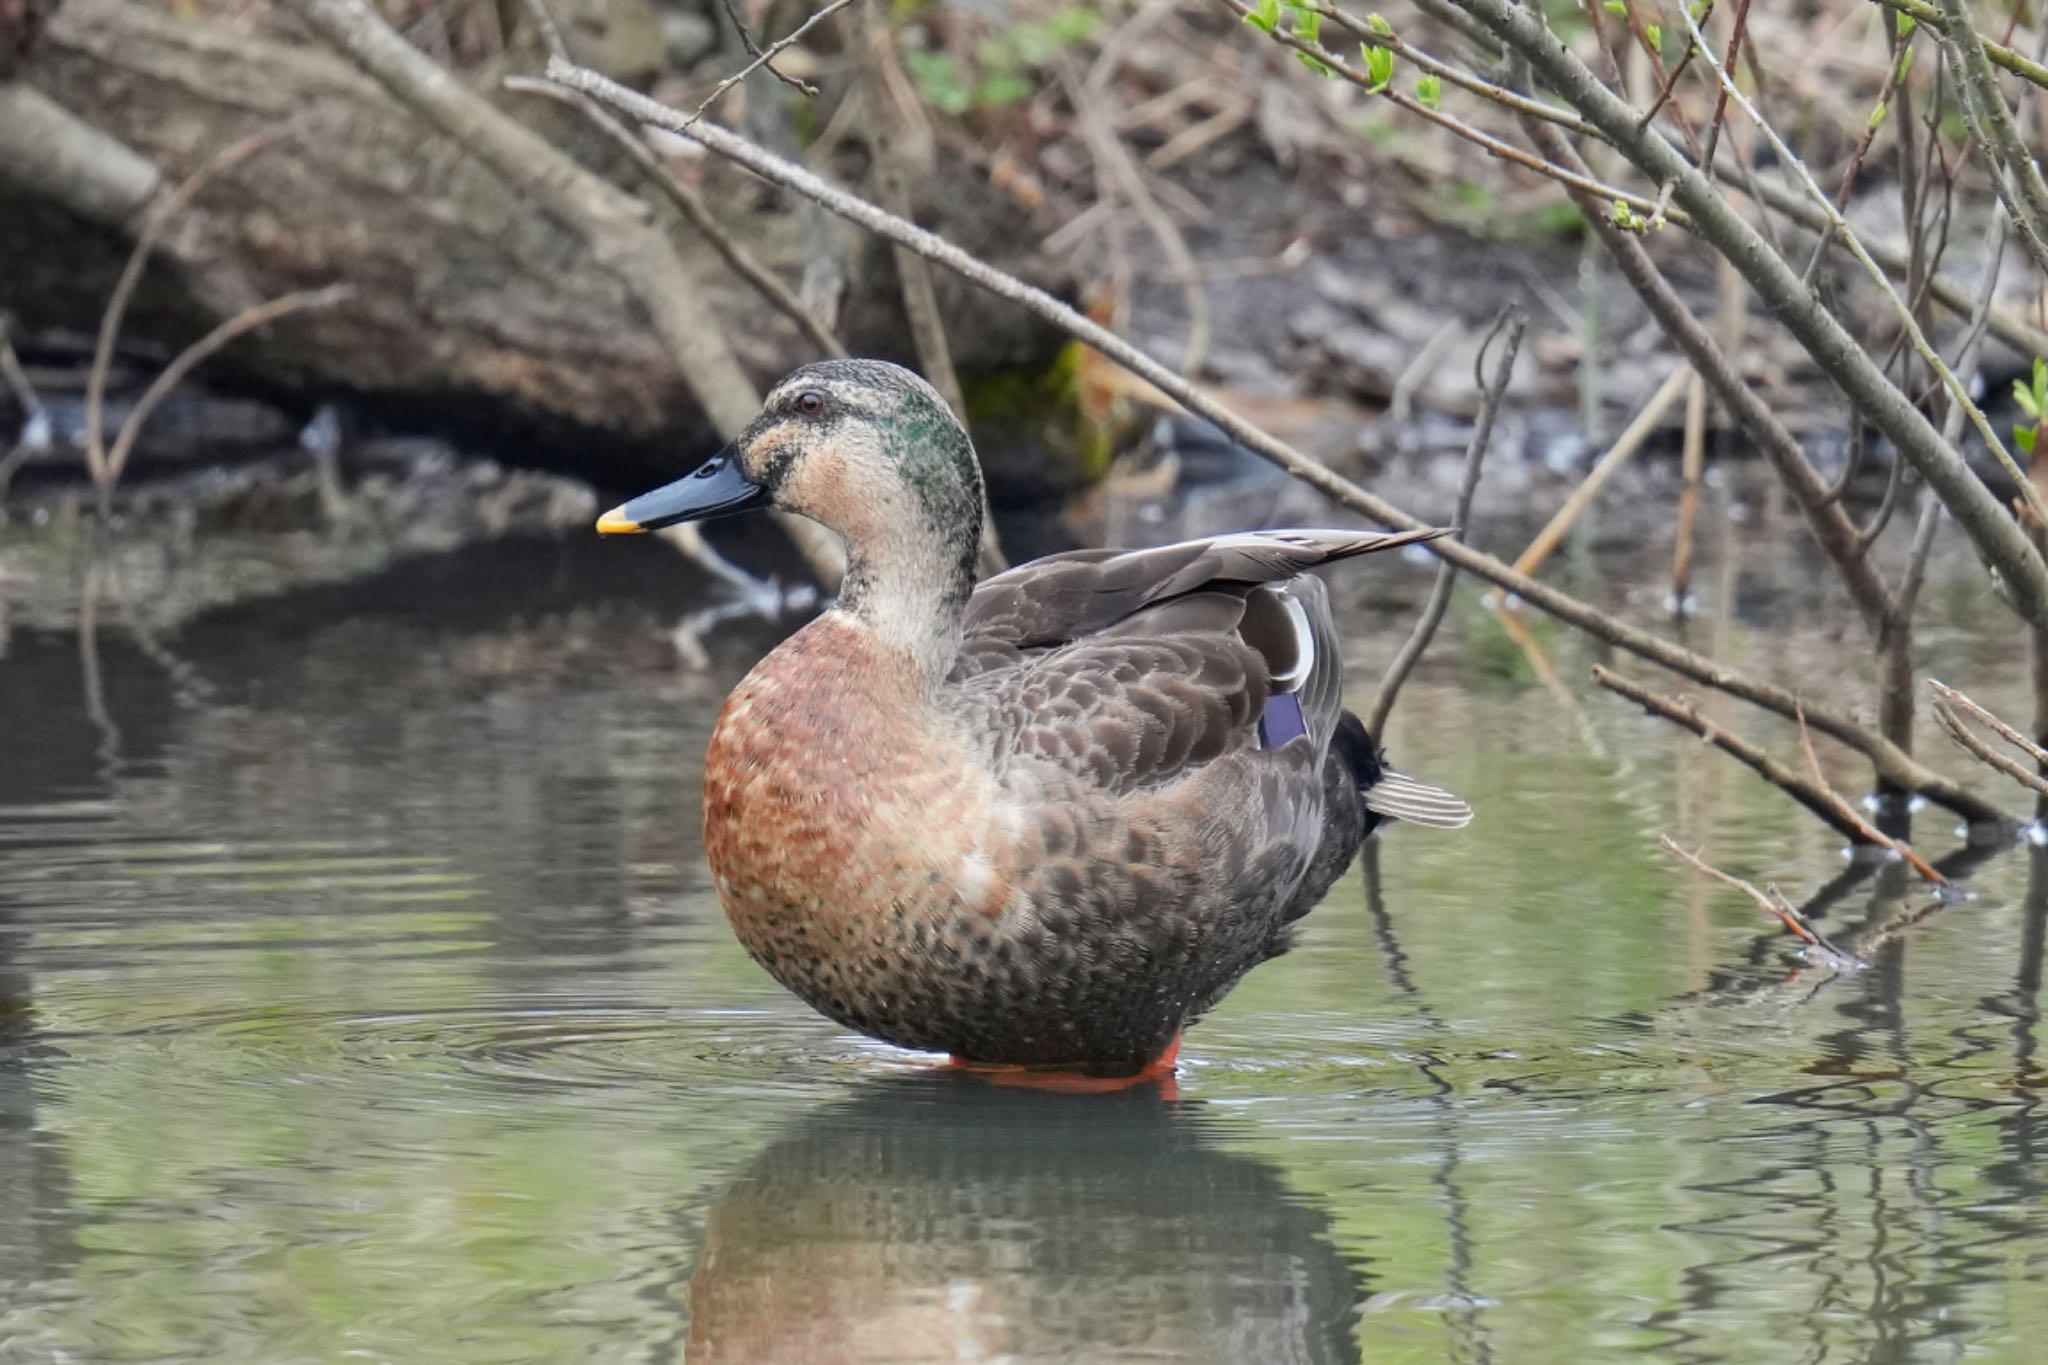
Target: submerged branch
(1774,905)
(1810,792)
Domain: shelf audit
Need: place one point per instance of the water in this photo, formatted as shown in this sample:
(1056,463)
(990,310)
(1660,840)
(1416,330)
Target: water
(362,998)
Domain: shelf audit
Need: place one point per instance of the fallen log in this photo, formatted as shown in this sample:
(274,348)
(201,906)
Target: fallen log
(476,313)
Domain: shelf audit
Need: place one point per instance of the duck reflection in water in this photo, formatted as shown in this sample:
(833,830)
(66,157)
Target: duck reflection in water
(941,1218)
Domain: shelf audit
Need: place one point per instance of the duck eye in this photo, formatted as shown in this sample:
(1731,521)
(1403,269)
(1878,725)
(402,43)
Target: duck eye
(810,402)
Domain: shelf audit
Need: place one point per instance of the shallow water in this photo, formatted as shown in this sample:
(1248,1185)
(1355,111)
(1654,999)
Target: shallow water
(362,997)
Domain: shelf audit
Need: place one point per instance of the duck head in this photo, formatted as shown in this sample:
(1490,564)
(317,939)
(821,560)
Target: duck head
(871,452)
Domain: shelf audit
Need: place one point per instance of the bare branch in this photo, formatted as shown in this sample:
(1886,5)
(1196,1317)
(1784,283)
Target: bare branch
(2008,733)
(1512,322)
(153,226)
(1504,150)
(1775,906)
(768,55)
(1997,536)
(2000,55)
(691,205)
(1624,448)
(248,320)
(732,12)
(2015,174)
(1891,763)
(1954,728)
(2038,610)
(1819,798)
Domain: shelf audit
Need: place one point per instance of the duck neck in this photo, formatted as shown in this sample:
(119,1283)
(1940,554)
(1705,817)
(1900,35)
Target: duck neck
(911,592)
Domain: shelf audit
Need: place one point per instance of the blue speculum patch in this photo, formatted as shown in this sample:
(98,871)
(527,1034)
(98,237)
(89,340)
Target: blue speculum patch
(1282,720)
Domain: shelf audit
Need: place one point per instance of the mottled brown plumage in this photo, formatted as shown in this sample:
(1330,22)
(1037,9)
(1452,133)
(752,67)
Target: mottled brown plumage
(1045,821)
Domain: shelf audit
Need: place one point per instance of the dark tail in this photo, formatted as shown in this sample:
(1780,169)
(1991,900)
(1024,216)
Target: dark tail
(1389,794)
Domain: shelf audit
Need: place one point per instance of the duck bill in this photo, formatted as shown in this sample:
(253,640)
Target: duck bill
(718,488)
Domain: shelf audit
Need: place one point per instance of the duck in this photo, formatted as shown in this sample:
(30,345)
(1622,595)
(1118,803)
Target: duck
(1041,822)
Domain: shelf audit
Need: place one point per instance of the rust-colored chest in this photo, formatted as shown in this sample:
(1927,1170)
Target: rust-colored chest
(844,830)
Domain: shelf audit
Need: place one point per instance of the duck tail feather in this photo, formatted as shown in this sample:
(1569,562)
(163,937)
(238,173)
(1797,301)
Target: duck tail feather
(1401,797)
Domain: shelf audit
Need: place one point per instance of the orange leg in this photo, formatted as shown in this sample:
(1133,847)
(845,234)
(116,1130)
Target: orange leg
(1159,1071)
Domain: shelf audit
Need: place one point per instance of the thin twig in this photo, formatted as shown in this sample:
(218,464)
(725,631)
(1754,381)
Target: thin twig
(1507,151)
(1971,744)
(1872,834)
(691,205)
(1894,76)
(732,12)
(1671,82)
(1512,322)
(1624,448)
(769,55)
(1721,100)
(2025,68)
(153,226)
(1819,798)
(1777,907)
(1928,354)
(1459,76)
(2015,175)
(2010,734)
(1692,467)
(248,320)
(1891,763)
(1992,530)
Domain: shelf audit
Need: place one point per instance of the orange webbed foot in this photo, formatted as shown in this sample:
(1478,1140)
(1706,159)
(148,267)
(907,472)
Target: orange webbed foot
(1159,1071)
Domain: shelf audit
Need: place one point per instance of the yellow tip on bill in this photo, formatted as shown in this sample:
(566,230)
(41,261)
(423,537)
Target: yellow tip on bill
(617,523)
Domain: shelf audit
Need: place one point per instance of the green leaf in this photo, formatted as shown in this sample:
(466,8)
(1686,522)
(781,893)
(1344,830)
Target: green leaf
(1655,33)
(1429,88)
(1074,23)
(1878,115)
(1001,88)
(2023,437)
(2041,383)
(2028,401)
(1312,64)
(1615,6)
(1378,24)
(1264,16)
(1308,25)
(1379,67)
(1699,10)
(939,81)
(1903,23)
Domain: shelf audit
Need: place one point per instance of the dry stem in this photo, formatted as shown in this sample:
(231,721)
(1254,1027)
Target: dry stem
(152,230)
(1410,653)
(248,320)
(1623,449)
(691,205)
(1775,906)
(767,55)
(1945,711)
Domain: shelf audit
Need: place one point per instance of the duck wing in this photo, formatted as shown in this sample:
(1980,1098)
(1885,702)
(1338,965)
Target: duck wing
(1131,669)
(1065,597)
